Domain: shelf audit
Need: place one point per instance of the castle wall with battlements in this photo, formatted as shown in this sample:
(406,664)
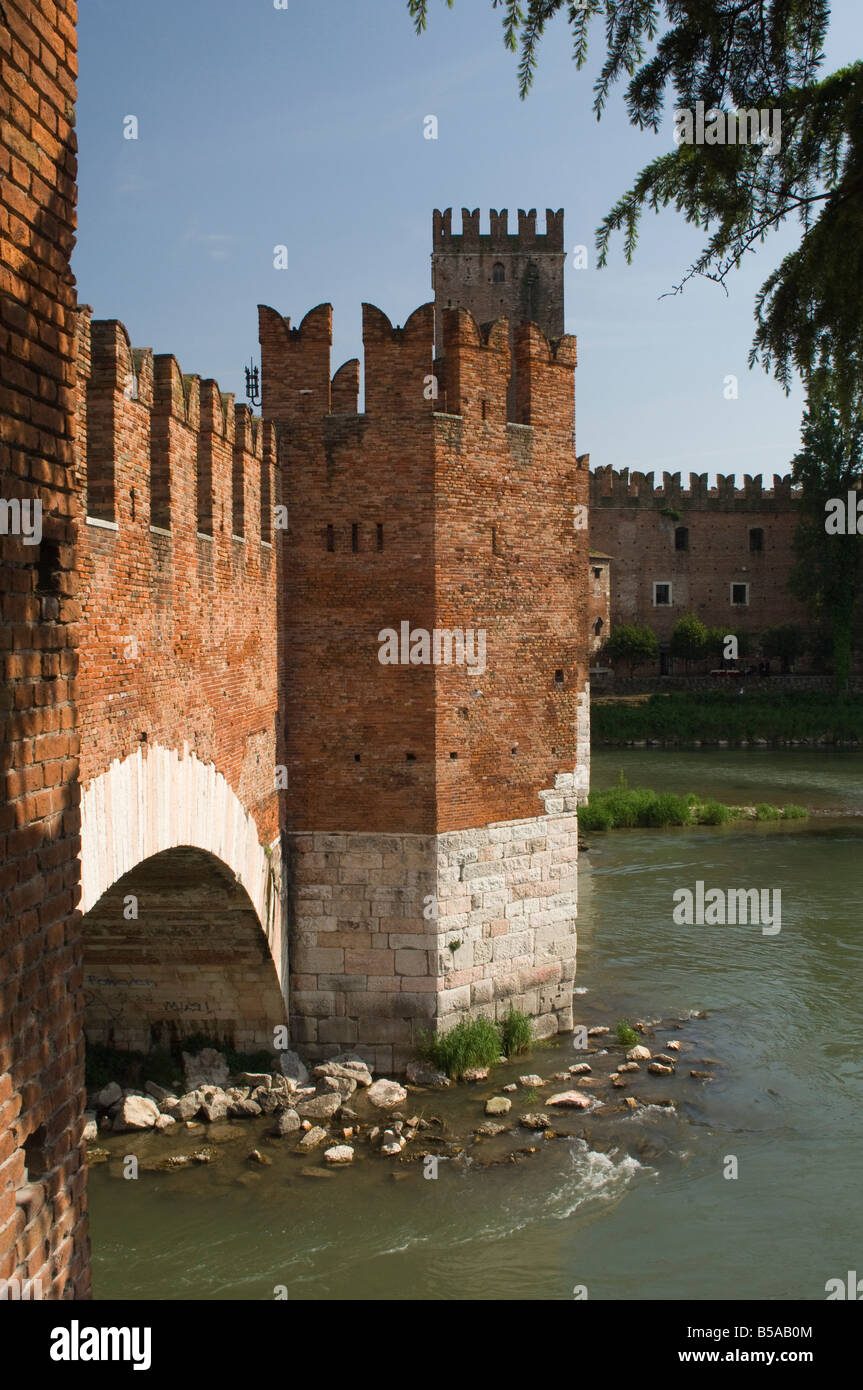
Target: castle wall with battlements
(737,545)
(44,1250)
(176,498)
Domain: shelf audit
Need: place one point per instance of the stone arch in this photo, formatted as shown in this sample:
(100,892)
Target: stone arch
(154,806)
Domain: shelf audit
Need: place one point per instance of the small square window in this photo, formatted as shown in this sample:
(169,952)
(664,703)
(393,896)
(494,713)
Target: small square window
(739,594)
(662,595)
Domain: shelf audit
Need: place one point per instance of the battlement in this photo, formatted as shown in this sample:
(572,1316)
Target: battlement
(498,238)
(610,487)
(183,451)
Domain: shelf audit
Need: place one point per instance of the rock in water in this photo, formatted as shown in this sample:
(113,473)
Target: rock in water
(287,1122)
(424,1074)
(531,1080)
(386,1094)
(659,1069)
(311,1140)
(320,1107)
(575,1100)
(534,1121)
(638,1054)
(135,1112)
(498,1105)
(339,1153)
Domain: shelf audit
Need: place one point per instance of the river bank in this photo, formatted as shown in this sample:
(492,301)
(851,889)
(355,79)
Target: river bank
(786,719)
(342,1115)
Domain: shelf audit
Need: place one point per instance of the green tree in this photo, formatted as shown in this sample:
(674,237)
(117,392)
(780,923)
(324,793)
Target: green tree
(828,569)
(689,639)
(786,643)
(717,638)
(736,56)
(632,644)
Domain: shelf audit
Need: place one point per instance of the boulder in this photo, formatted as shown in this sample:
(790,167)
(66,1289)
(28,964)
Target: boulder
(320,1107)
(206,1068)
(267,1101)
(629,1066)
(290,1065)
(186,1108)
(159,1093)
(286,1122)
(339,1153)
(597,1032)
(640,1053)
(534,1121)
(343,1086)
(135,1112)
(108,1096)
(489,1130)
(672,1045)
(91,1128)
(580,1069)
(252,1079)
(424,1074)
(315,1136)
(573,1100)
(498,1105)
(347,1059)
(357,1072)
(165,1122)
(531,1080)
(475,1074)
(386,1094)
(215,1110)
(243,1109)
(659,1069)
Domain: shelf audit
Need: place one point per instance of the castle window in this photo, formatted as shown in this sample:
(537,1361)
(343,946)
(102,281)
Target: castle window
(681,538)
(739,594)
(331,538)
(410,757)
(597,573)
(756,538)
(662,595)
(380,536)
(558,677)
(48,570)
(598,626)
(355,537)
(495,541)
(453,757)
(498,273)
(484,409)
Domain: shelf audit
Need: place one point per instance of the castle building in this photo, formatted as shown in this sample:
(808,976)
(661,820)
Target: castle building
(724,553)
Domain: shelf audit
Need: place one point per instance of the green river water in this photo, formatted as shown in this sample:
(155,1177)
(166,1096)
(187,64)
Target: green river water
(637,1208)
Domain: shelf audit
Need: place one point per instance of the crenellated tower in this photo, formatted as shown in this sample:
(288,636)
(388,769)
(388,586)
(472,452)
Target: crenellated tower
(517,276)
(432,633)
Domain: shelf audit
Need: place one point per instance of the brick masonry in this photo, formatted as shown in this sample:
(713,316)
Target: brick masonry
(43,1223)
(635,521)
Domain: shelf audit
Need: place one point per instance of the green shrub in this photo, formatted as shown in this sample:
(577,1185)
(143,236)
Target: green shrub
(516,1034)
(625,1033)
(793,812)
(714,813)
(666,809)
(473,1042)
(764,811)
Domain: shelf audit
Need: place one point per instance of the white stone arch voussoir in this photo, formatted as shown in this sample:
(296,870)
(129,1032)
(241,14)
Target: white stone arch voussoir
(147,804)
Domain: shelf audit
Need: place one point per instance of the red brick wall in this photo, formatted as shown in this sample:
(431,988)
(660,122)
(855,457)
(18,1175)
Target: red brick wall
(627,522)
(43,1229)
(178,638)
(437,483)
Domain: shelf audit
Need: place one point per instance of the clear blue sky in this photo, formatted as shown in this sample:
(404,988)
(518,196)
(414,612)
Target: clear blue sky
(304,127)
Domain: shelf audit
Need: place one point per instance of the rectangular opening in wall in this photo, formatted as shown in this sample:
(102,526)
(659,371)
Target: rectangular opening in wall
(331,539)
(266,500)
(99,451)
(355,537)
(238,494)
(160,472)
(756,539)
(380,536)
(205,489)
(662,595)
(739,595)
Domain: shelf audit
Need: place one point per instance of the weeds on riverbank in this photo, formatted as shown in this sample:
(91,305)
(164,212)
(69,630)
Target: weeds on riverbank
(477,1042)
(709,716)
(625,1033)
(624,807)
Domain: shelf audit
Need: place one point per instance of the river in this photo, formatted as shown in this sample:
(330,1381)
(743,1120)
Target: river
(642,1210)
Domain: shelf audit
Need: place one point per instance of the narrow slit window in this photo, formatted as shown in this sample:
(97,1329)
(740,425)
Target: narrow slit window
(380,536)
(355,537)
(331,538)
